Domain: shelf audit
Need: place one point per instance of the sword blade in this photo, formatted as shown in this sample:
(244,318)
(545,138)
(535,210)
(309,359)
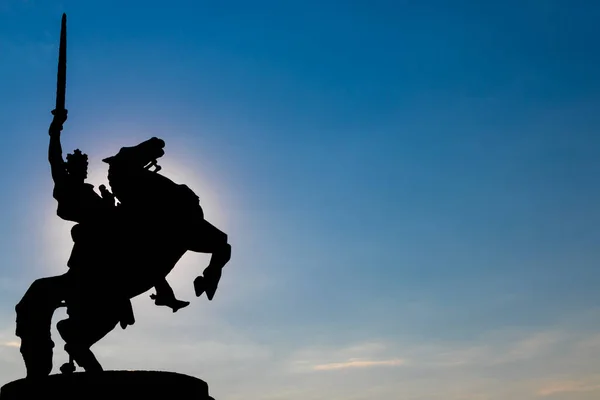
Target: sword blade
(61,79)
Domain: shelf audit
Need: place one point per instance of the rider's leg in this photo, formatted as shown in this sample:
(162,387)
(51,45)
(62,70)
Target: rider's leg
(166,297)
(34,319)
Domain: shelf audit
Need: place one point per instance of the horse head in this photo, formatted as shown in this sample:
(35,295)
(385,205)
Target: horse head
(128,169)
(138,156)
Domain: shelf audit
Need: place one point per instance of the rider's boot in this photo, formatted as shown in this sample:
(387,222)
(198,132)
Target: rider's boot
(178,304)
(171,302)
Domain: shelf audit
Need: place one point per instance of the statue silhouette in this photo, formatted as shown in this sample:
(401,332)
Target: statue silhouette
(78,202)
(119,250)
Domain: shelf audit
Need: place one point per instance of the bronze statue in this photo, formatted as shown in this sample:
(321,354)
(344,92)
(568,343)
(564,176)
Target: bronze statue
(120,250)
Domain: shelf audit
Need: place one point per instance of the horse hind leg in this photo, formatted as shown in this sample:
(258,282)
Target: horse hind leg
(84,357)
(80,335)
(77,349)
(37,354)
(34,318)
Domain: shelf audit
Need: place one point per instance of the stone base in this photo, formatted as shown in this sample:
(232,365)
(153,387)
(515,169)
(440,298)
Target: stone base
(109,385)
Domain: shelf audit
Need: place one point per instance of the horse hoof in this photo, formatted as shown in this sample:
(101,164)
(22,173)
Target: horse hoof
(67,368)
(211,279)
(199,286)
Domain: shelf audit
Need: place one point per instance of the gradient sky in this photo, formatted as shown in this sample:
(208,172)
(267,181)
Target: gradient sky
(410,188)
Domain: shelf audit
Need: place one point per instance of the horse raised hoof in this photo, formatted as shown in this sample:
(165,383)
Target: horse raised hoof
(212,276)
(67,368)
(199,286)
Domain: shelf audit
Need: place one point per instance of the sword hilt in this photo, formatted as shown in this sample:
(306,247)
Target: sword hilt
(57,111)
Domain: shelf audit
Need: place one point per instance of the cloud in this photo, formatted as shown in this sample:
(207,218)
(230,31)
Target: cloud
(554,388)
(11,344)
(530,347)
(492,351)
(499,365)
(354,356)
(357,355)
(358,364)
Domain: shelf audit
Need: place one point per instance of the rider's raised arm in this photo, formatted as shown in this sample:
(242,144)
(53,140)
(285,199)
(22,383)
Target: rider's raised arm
(57,164)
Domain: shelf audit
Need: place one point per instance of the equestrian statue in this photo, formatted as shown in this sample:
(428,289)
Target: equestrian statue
(126,240)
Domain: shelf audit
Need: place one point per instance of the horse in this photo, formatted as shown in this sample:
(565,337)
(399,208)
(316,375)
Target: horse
(155,223)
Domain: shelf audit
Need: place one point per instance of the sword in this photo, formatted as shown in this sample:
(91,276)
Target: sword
(61,77)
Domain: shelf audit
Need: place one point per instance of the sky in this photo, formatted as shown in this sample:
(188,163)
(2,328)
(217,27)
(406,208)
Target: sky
(409,188)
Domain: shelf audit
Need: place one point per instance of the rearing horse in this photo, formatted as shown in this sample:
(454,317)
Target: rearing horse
(155,224)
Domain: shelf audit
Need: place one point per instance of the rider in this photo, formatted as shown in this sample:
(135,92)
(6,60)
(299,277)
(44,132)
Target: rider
(78,202)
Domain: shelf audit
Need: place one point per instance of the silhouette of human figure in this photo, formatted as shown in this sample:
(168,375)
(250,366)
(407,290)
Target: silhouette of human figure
(77,200)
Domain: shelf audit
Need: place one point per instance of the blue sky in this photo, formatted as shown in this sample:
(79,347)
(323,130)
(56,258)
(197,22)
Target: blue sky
(410,188)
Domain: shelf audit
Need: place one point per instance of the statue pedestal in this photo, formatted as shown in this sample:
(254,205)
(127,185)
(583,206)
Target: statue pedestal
(110,385)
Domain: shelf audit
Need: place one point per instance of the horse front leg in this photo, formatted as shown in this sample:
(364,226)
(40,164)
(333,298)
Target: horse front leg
(208,239)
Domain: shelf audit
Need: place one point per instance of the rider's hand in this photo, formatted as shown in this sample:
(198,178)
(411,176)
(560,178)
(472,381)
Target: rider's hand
(60,116)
